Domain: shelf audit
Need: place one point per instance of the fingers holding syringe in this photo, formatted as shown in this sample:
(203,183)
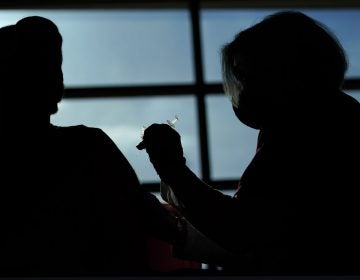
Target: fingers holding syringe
(157,136)
(171,123)
(149,138)
(162,142)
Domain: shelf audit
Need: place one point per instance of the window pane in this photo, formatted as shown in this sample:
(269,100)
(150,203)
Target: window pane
(123,118)
(232,144)
(230,157)
(118,47)
(354,93)
(220,26)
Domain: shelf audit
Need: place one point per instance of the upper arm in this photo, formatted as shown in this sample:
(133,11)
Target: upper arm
(111,161)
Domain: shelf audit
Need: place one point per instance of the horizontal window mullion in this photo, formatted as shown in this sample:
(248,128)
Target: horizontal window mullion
(352,84)
(164,90)
(129,91)
(150,4)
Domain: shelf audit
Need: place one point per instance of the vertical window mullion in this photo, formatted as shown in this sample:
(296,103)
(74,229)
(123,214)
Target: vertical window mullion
(200,92)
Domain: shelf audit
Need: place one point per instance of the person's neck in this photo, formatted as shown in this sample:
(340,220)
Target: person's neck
(37,123)
(302,110)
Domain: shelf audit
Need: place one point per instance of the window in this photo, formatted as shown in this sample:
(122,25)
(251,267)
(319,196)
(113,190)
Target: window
(123,118)
(228,161)
(220,27)
(125,67)
(120,47)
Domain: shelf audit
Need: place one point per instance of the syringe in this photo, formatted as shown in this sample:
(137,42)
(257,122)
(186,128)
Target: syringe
(171,123)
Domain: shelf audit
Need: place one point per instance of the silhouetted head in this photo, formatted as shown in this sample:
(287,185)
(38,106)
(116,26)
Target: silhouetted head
(286,60)
(31,75)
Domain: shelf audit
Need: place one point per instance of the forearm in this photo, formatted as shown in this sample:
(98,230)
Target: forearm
(158,221)
(216,215)
(202,204)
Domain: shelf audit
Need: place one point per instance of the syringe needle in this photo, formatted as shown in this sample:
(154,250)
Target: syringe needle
(143,131)
(173,121)
(169,122)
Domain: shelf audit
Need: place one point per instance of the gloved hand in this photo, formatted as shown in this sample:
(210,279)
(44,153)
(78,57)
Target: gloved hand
(163,145)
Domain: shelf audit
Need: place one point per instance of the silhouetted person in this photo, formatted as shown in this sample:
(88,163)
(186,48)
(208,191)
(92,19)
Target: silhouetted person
(296,210)
(70,203)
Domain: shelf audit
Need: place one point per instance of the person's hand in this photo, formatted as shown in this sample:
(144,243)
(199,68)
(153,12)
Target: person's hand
(163,145)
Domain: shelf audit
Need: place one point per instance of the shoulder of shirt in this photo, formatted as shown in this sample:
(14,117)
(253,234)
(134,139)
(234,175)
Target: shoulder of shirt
(79,127)
(79,130)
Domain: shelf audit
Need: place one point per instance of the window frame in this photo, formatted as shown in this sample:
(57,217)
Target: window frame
(199,88)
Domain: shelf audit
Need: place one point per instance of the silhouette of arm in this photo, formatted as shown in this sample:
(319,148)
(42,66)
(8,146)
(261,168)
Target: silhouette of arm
(122,180)
(234,223)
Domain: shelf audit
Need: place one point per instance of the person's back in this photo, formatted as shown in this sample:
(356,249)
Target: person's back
(70,203)
(67,205)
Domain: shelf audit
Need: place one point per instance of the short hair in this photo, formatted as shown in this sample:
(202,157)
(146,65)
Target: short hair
(31,57)
(39,34)
(288,40)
